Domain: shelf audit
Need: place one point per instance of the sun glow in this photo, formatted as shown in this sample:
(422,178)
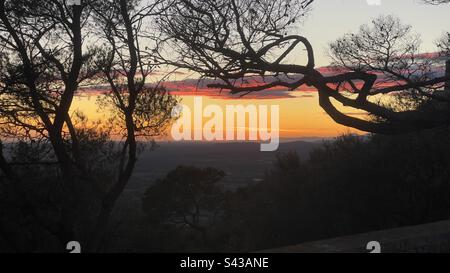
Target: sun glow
(300,115)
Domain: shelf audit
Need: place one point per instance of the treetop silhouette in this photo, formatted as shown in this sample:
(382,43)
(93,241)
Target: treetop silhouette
(235,40)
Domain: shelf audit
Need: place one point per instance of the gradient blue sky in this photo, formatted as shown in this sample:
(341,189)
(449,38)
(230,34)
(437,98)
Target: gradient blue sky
(330,19)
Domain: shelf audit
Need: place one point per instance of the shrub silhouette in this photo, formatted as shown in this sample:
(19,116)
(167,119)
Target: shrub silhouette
(187,199)
(348,186)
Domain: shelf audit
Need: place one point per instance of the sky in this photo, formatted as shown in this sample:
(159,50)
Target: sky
(300,113)
(330,19)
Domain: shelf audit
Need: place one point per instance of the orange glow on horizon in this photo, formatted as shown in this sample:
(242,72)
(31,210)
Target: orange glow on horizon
(300,115)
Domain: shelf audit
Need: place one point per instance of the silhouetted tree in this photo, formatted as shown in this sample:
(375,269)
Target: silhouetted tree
(44,60)
(48,51)
(239,39)
(347,186)
(142,111)
(389,50)
(187,197)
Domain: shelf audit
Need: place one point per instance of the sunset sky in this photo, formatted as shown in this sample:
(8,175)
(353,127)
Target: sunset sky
(300,114)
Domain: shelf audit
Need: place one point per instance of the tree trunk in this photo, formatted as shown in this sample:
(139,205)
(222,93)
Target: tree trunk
(108,203)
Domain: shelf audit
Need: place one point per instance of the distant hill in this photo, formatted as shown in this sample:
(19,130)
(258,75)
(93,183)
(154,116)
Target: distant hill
(243,162)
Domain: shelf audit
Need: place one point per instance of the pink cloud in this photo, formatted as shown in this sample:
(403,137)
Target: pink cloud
(195,87)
